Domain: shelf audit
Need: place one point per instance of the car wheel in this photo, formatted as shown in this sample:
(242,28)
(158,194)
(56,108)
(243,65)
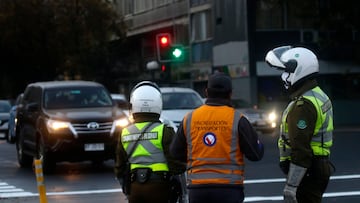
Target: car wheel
(25,161)
(48,165)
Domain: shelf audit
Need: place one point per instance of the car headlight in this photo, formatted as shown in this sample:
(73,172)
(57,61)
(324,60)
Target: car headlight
(123,122)
(272,116)
(55,126)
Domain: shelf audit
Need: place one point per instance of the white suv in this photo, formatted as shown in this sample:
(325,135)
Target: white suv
(177,101)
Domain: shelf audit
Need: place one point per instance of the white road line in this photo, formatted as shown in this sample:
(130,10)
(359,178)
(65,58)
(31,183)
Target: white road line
(272,198)
(7,191)
(276,180)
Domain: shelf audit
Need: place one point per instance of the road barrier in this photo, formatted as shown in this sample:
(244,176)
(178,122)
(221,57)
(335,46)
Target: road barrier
(40,181)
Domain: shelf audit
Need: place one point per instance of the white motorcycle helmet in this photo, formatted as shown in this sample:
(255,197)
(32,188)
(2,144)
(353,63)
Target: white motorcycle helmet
(297,63)
(146,97)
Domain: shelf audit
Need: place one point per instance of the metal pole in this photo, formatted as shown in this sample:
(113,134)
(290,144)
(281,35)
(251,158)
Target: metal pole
(40,181)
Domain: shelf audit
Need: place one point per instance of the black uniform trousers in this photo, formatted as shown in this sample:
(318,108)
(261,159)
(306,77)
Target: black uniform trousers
(153,187)
(216,194)
(156,191)
(315,182)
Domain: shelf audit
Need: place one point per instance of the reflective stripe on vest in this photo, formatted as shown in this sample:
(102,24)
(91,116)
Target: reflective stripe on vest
(149,152)
(322,139)
(214,155)
(283,141)
(322,136)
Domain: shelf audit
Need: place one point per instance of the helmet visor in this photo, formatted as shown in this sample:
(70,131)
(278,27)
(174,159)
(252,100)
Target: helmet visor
(273,57)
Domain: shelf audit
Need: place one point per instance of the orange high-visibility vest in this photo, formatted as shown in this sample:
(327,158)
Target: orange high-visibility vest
(214,155)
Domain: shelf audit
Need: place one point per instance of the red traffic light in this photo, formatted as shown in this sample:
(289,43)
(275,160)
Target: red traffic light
(163,45)
(163,68)
(164,41)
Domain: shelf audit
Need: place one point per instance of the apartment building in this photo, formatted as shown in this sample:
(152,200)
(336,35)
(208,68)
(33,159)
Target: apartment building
(234,35)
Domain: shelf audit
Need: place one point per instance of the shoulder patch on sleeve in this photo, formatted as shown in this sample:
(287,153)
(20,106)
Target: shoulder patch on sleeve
(301,124)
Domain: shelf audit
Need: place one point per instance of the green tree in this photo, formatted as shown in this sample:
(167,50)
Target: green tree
(45,39)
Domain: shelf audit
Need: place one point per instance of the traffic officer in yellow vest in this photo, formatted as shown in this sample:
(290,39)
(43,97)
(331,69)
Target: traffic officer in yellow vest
(307,125)
(213,141)
(145,144)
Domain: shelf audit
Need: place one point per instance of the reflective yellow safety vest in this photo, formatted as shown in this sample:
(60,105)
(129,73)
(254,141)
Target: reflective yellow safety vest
(214,155)
(148,152)
(322,136)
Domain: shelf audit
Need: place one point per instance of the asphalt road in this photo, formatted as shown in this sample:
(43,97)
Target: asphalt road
(82,182)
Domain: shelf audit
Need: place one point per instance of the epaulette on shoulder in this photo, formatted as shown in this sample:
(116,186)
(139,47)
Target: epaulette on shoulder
(300,101)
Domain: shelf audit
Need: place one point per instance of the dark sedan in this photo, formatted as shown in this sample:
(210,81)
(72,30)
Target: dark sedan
(5,107)
(265,121)
(12,120)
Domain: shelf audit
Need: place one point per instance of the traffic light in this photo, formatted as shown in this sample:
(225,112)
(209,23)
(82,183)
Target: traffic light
(163,68)
(163,46)
(177,52)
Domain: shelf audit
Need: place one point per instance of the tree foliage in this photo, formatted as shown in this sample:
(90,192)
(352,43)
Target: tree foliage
(45,39)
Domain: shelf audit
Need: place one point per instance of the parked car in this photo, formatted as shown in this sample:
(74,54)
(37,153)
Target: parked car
(12,120)
(265,121)
(120,100)
(5,107)
(124,104)
(70,121)
(177,101)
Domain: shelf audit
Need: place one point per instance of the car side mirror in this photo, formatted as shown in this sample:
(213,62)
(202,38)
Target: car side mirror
(32,107)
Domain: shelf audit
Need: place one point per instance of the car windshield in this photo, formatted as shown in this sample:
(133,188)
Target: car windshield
(76,97)
(5,107)
(180,100)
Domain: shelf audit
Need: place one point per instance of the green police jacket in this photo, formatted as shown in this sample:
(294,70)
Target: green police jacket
(307,125)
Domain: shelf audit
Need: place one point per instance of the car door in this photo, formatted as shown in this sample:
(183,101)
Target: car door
(27,117)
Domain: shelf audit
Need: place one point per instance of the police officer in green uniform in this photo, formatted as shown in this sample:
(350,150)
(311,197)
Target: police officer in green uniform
(307,125)
(145,144)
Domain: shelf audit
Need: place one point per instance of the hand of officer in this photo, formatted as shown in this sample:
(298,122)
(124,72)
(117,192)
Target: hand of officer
(290,194)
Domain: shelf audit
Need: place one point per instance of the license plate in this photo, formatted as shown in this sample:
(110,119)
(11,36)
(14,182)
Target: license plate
(2,135)
(94,147)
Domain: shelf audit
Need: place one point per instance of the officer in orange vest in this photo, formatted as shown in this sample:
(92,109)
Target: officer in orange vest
(213,140)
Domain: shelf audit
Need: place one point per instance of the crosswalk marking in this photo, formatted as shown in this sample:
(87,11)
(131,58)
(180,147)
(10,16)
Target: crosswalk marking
(9,191)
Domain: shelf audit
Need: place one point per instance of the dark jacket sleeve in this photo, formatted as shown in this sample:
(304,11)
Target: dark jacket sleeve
(301,123)
(250,145)
(175,166)
(120,159)
(178,146)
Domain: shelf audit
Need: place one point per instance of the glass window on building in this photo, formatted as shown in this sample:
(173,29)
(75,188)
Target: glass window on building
(126,7)
(142,5)
(201,35)
(158,3)
(269,15)
(201,52)
(198,2)
(287,14)
(201,28)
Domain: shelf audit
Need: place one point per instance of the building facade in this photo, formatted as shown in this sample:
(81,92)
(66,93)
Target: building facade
(234,35)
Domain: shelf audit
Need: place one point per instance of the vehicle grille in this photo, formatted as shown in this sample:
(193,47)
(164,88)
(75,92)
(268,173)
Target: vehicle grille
(82,128)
